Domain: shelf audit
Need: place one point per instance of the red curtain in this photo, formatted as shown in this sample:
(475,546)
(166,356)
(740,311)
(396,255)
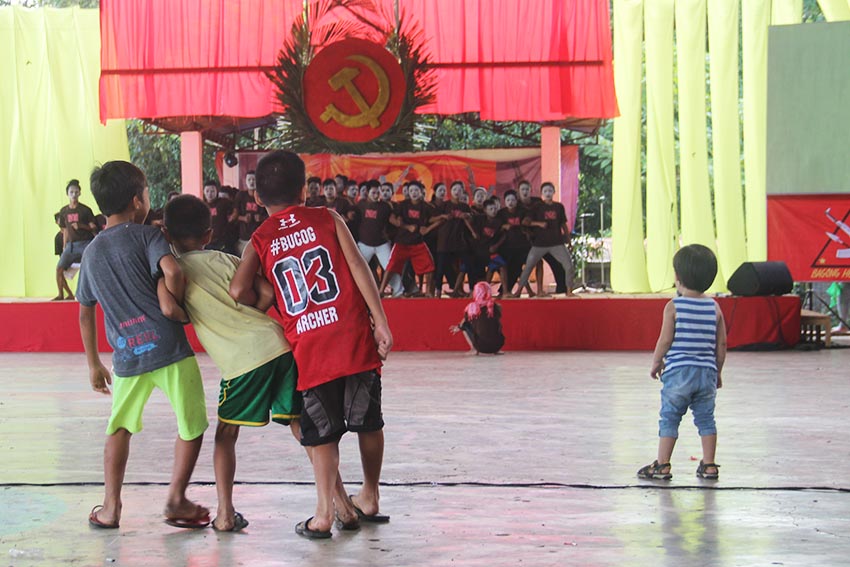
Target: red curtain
(533,60)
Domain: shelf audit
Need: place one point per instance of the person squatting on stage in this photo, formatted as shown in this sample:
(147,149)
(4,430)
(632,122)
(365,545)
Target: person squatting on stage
(326,295)
(482,322)
(688,359)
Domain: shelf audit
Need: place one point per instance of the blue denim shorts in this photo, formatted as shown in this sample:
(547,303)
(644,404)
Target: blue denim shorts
(684,387)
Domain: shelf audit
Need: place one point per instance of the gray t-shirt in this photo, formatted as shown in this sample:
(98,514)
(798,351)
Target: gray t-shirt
(119,270)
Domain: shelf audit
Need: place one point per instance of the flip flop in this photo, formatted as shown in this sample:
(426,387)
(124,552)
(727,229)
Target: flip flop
(193,523)
(95,523)
(351,526)
(303,529)
(239,524)
(370,518)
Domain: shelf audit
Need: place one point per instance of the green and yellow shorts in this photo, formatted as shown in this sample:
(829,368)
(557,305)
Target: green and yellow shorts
(271,388)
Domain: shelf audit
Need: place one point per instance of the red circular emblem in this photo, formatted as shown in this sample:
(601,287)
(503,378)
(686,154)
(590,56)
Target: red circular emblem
(353,90)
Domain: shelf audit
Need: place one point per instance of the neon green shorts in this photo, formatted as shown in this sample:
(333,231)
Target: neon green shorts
(248,399)
(181,384)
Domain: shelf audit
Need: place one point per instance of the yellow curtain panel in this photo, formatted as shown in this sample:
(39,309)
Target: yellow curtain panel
(715,198)
(835,10)
(725,126)
(697,216)
(628,257)
(661,202)
(49,134)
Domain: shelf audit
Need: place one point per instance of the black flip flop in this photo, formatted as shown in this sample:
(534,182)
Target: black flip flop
(239,523)
(351,526)
(370,518)
(303,529)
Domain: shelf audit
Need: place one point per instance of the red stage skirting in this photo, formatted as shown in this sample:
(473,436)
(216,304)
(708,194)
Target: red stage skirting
(597,322)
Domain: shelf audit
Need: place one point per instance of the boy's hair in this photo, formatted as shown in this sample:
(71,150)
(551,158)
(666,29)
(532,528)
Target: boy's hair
(186,216)
(73,183)
(280,178)
(211,182)
(547,184)
(490,201)
(114,184)
(314,179)
(508,193)
(695,266)
(416,184)
(251,172)
(328,181)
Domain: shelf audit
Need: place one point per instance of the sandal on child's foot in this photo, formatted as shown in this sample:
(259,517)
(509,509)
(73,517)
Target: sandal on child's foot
(655,471)
(708,471)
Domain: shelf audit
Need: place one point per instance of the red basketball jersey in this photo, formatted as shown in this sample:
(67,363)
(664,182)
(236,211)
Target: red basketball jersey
(325,318)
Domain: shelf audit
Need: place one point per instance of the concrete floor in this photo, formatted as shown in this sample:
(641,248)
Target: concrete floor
(522,459)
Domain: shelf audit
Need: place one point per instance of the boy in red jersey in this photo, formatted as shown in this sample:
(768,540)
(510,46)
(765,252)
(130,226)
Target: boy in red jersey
(325,294)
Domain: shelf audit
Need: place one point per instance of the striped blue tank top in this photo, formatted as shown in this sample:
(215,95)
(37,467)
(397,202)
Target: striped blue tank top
(695,334)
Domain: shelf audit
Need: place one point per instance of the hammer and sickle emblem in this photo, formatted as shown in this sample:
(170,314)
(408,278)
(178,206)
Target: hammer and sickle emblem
(369,114)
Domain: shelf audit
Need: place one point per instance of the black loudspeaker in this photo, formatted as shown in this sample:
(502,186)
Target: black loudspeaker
(761,278)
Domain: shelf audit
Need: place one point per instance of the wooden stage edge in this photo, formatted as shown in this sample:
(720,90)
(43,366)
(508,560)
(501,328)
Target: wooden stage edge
(588,322)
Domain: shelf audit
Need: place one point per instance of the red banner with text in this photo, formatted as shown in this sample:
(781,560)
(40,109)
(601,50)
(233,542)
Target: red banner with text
(811,234)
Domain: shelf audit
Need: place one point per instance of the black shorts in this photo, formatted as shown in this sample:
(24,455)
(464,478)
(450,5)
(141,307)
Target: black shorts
(351,403)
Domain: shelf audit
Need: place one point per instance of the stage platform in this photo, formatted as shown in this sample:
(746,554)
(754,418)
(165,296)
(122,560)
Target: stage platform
(587,322)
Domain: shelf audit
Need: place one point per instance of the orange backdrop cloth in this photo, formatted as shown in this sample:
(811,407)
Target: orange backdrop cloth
(533,60)
(498,170)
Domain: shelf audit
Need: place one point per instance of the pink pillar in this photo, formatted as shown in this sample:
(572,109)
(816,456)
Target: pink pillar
(191,163)
(550,157)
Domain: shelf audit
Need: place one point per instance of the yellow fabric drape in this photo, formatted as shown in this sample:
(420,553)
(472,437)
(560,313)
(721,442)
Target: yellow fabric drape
(785,12)
(696,210)
(628,257)
(50,133)
(728,200)
(835,10)
(755,19)
(661,213)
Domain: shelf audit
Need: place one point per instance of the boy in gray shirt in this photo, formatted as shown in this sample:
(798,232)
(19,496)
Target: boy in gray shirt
(119,271)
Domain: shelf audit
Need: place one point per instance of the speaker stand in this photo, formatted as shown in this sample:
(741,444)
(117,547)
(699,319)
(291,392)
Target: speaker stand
(808,303)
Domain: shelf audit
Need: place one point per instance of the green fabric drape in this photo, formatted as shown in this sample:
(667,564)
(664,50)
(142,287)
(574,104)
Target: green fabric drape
(50,134)
(628,257)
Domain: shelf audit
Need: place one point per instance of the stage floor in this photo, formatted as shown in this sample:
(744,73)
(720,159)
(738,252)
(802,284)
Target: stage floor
(526,458)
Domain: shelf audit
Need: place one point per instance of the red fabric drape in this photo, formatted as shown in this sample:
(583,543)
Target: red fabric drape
(532,60)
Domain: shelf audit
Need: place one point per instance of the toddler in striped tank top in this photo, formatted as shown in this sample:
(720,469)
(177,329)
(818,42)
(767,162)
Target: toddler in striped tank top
(688,359)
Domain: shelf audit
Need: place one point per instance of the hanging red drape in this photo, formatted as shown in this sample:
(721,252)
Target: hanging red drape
(534,60)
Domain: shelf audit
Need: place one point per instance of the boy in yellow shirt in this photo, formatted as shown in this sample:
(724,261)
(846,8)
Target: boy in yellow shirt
(248,347)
